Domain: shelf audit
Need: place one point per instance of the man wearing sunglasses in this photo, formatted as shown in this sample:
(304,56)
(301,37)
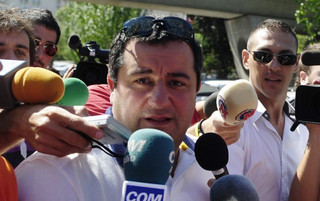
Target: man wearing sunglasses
(43,126)
(267,152)
(47,34)
(154,76)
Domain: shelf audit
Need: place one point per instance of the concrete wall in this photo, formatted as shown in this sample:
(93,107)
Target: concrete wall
(240,16)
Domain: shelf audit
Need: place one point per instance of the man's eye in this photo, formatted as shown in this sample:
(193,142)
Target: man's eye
(177,83)
(20,53)
(143,81)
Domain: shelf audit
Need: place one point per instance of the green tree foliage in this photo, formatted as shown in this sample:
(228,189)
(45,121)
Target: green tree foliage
(211,33)
(308,16)
(101,23)
(92,22)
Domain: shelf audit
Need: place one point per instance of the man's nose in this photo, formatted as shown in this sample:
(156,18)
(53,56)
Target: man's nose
(159,97)
(274,64)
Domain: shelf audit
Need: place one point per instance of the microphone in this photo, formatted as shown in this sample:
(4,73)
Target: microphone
(213,144)
(237,101)
(74,42)
(233,188)
(210,104)
(147,165)
(311,57)
(76,92)
(9,68)
(35,85)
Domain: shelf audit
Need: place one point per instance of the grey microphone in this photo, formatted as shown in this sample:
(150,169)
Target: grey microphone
(233,188)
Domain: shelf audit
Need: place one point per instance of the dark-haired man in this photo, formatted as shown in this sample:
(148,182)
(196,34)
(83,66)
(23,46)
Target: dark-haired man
(154,76)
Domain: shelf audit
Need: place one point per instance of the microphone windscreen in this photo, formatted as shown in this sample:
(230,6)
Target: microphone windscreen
(237,101)
(149,156)
(211,152)
(210,104)
(233,188)
(311,57)
(37,85)
(74,42)
(75,92)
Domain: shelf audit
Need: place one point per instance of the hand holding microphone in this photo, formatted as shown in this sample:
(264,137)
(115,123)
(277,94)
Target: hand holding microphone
(39,87)
(235,102)
(35,85)
(147,165)
(27,84)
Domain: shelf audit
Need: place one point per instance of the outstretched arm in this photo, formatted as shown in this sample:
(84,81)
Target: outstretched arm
(45,127)
(306,183)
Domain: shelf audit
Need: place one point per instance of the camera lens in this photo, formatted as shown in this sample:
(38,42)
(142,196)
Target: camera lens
(91,73)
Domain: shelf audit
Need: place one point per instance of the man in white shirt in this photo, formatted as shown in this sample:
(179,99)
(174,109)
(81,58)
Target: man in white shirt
(154,76)
(267,152)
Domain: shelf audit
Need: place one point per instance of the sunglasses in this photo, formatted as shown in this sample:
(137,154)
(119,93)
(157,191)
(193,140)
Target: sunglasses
(266,57)
(143,26)
(49,48)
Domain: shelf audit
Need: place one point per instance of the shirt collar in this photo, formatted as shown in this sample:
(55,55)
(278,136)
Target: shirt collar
(288,109)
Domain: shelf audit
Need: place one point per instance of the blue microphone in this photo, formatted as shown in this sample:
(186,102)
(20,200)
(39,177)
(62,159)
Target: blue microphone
(233,188)
(147,165)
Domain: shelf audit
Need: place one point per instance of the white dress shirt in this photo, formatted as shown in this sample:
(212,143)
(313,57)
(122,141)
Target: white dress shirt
(267,160)
(97,176)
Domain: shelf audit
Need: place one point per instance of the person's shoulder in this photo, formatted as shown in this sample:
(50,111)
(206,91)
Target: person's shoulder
(40,160)
(99,87)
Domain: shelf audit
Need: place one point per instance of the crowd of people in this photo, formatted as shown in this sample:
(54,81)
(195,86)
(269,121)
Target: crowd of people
(153,79)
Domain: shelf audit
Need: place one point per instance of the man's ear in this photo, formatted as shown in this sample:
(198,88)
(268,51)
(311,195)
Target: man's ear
(245,58)
(111,86)
(304,79)
(298,62)
(110,82)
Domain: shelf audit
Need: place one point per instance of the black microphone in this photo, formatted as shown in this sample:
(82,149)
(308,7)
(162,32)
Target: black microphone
(210,104)
(74,42)
(233,188)
(211,152)
(311,57)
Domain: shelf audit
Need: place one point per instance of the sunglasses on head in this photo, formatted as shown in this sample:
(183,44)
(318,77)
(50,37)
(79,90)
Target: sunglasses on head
(49,48)
(266,57)
(143,26)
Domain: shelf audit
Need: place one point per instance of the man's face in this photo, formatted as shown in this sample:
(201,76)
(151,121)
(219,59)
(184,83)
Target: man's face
(270,80)
(156,88)
(312,78)
(15,46)
(45,36)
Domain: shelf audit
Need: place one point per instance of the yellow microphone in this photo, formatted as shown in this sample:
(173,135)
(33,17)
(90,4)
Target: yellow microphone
(237,101)
(35,85)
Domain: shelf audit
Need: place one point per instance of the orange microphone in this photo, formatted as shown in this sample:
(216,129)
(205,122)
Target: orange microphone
(35,85)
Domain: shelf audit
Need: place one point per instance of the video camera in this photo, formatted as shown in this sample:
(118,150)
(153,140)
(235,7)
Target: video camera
(307,103)
(89,70)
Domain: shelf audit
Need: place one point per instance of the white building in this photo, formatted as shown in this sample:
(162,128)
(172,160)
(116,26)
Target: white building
(52,5)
